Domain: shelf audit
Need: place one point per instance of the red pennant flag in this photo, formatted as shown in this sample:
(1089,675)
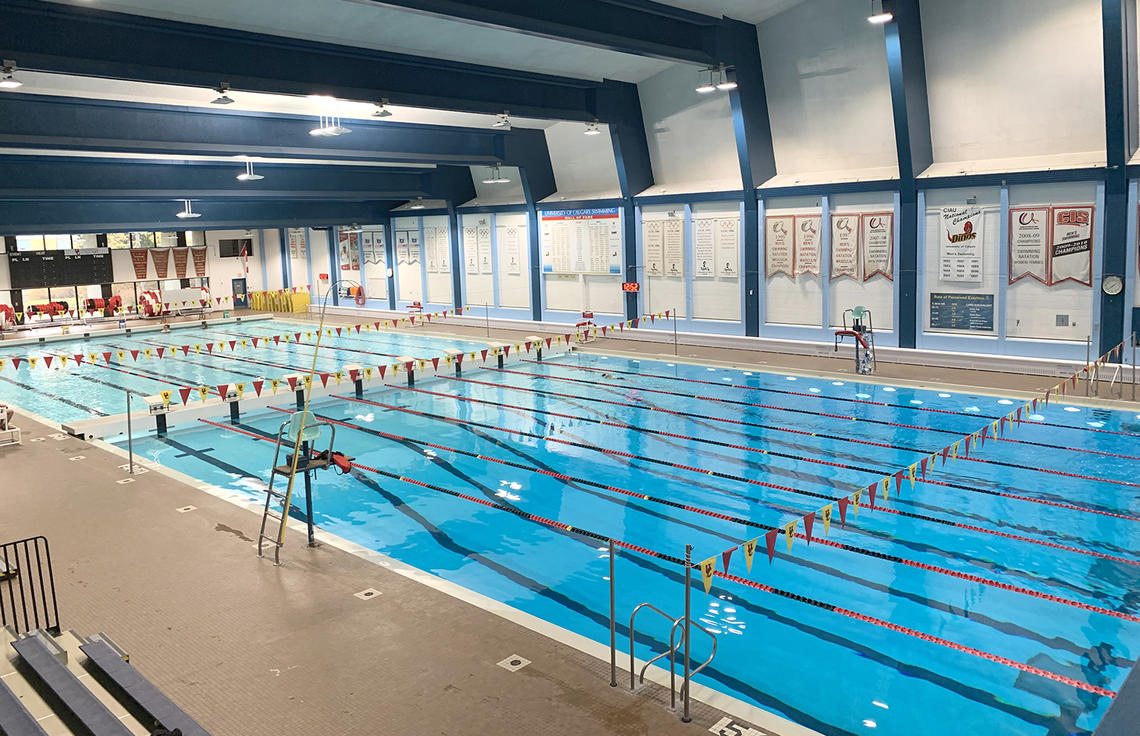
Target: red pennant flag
(922,465)
(982,436)
(1019,415)
(232,343)
(78,358)
(257,387)
(966,447)
(667,313)
(352,374)
(222,388)
(528,344)
(604,330)
(1046,401)
(293,383)
(871,490)
(134,355)
(47,361)
(635,321)
(770,541)
(185,349)
(184,392)
(376,325)
(506,351)
(276,339)
(255,342)
(210,348)
(409,366)
(427,317)
(459,359)
(161,351)
(382,368)
(725,557)
(843,501)
(297,337)
(484,354)
(548,341)
(357,329)
(808,521)
(945,454)
(338,332)
(898,483)
(107,357)
(435,363)
(324,379)
(16,362)
(459,310)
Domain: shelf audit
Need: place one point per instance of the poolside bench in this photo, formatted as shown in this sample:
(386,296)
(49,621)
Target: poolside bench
(141,690)
(15,720)
(39,652)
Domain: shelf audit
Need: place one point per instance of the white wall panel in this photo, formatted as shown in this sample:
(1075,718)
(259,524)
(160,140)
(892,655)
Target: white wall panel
(514,288)
(584,165)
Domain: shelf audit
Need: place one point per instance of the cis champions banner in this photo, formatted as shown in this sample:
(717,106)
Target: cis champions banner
(1070,251)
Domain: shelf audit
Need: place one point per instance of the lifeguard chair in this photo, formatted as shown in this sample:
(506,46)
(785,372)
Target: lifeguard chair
(585,328)
(416,309)
(862,331)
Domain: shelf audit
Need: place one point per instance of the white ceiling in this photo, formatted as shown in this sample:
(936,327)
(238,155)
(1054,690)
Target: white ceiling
(367,25)
(752,11)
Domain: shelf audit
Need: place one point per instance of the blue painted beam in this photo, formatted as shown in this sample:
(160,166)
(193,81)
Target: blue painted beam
(643,28)
(94,42)
(1119,112)
(20,218)
(906,68)
(66,123)
(45,178)
(527,149)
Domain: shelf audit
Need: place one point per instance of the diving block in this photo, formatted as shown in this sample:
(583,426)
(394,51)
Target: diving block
(537,342)
(358,382)
(456,357)
(405,360)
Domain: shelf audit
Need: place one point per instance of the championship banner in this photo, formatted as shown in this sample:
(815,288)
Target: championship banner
(674,247)
(845,246)
(878,244)
(1029,243)
(199,260)
(704,248)
(728,247)
(161,258)
(779,245)
(1071,245)
(806,249)
(180,255)
(960,244)
(138,260)
(653,243)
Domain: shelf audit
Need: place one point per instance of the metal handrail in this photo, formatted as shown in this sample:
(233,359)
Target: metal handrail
(22,582)
(632,665)
(702,665)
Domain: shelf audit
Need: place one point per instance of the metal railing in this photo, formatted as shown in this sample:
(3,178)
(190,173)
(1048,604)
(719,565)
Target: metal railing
(27,586)
(684,623)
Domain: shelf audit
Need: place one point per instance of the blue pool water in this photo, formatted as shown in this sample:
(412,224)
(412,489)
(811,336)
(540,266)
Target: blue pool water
(606,423)
(67,393)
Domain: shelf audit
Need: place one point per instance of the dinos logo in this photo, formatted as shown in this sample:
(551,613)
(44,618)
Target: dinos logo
(1072,217)
(843,224)
(778,227)
(877,222)
(1027,218)
(807,226)
(966,234)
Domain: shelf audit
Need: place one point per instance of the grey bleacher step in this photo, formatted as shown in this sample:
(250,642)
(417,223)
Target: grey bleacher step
(23,690)
(41,654)
(72,644)
(143,691)
(15,720)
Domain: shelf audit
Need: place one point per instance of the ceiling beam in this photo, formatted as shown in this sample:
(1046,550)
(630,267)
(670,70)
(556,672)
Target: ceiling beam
(21,218)
(645,28)
(87,41)
(35,178)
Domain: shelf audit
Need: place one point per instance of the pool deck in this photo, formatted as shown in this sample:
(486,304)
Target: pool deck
(250,649)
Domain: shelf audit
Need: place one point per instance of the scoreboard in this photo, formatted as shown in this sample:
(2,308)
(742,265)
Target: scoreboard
(39,269)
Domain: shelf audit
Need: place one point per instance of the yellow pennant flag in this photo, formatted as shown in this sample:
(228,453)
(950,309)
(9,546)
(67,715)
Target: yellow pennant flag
(707,569)
(338,375)
(930,465)
(166,397)
(308,335)
(472,356)
(423,365)
(91,357)
(119,354)
(954,449)
(32,361)
(307,380)
(198,349)
(886,488)
(749,550)
(146,352)
(1,364)
(825,514)
(204,392)
(63,360)
(913,472)
(221,346)
(245,343)
(273,384)
(368,373)
(856,498)
(285,338)
(240,388)
(790,532)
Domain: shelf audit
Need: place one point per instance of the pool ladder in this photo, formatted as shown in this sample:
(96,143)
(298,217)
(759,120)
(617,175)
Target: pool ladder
(675,644)
(278,504)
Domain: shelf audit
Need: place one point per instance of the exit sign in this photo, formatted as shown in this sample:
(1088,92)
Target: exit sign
(631,286)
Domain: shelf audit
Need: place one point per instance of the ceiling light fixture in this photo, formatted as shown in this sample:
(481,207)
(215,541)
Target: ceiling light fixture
(382,110)
(223,98)
(881,17)
(418,204)
(704,86)
(503,121)
(725,84)
(187,211)
(592,128)
(328,120)
(495,176)
(9,81)
(353,230)
(248,174)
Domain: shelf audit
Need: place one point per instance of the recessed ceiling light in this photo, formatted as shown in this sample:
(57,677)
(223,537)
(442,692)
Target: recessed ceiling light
(222,98)
(882,16)
(9,81)
(187,211)
(418,204)
(592,128)
(704,86)
(495,176)
(503,121)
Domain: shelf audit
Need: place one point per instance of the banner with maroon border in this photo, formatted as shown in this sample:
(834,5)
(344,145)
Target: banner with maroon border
(779,244)
(199,260)
(180,262)
(138,260)
(161,258)
(807,245)
(878,238)
(1070,245)
(1029,243)
(845,246)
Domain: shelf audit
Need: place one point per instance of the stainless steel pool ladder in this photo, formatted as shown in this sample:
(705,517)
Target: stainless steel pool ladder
(675,644)
(277,504)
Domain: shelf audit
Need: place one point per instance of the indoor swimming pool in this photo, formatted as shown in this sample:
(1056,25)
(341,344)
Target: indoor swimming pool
(940,612)
(65,392)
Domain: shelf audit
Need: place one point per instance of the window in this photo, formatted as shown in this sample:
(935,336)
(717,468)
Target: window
(29,242)
(235,248)
(88,240)
(118,240)
(142,240)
